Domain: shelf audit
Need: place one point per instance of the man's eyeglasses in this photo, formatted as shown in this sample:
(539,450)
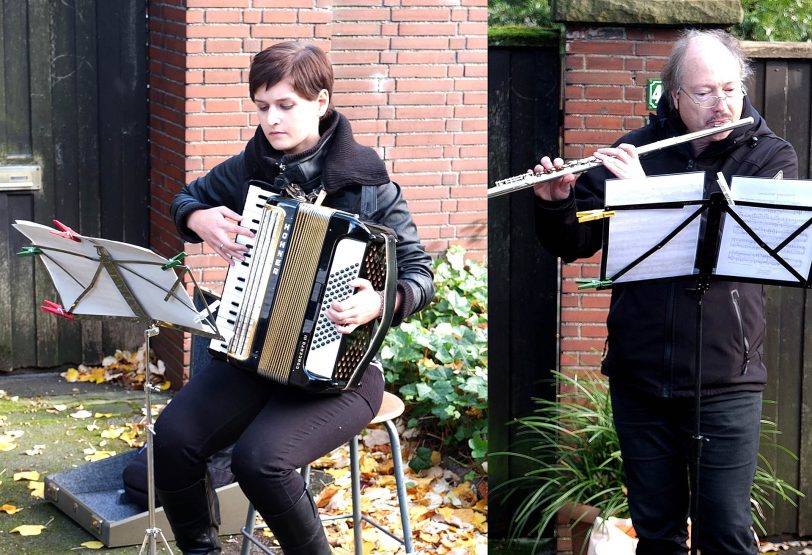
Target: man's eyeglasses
(707,100)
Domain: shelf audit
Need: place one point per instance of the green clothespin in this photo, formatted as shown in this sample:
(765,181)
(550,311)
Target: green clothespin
(176,260)
(587,283)
(30,251)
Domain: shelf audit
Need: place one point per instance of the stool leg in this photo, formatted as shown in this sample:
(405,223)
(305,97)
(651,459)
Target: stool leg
(248,530)
(355,473)
(403,500)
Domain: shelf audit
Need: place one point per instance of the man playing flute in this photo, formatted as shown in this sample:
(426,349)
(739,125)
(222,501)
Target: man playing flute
(651,346)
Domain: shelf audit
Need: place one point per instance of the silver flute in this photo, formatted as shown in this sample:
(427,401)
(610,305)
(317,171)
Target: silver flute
(526,180)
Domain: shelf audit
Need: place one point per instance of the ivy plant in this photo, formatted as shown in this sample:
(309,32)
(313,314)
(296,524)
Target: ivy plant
(437,361)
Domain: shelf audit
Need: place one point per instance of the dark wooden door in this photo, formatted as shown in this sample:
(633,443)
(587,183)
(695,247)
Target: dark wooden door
(523,124)
(73,105)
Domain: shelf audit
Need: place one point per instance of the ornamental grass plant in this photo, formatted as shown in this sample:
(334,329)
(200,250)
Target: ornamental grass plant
(573,451)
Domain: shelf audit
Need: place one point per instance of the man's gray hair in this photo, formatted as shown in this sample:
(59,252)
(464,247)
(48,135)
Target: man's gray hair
(672,71)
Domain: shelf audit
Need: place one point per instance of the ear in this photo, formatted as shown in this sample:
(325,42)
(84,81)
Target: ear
(324,101)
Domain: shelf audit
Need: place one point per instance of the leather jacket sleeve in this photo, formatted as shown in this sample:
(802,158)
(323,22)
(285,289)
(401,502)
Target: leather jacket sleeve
(415,276)
(222,186)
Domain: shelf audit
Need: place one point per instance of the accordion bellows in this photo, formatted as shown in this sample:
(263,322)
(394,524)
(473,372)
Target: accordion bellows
(272,310)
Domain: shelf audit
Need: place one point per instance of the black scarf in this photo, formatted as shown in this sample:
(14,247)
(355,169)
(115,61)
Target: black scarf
(336,161)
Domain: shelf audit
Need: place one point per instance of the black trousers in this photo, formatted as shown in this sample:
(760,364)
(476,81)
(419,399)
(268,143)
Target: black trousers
(655,442)
(275,430)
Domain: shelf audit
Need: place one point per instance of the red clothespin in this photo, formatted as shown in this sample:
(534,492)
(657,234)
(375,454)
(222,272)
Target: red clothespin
(66,232)
(57,309)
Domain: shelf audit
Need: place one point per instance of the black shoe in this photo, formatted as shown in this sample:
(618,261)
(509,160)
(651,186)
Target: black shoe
(299,530)
(194,516)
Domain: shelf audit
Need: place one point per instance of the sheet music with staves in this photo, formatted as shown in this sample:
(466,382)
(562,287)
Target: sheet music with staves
(633,232)
(741,256)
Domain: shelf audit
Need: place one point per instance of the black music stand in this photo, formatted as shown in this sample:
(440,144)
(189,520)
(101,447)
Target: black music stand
(98,278)
(726,247)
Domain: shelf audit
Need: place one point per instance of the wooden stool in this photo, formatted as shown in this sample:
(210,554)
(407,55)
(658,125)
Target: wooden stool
(391,408)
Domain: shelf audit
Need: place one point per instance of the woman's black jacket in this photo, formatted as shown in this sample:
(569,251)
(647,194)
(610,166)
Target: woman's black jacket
(652,325)
(378,200)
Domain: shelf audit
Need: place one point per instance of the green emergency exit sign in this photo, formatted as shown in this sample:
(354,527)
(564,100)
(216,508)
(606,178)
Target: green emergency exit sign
(654,90)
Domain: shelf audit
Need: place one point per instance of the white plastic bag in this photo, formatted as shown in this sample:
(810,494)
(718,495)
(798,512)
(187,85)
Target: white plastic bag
(608,539)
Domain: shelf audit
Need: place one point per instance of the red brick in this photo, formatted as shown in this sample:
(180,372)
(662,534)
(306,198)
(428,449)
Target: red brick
(423,43)
(605,63)
(427,29)
(654,48)
(360,14)
(613,48)
(599,77)
(282,31)
(596,92)
(439,14)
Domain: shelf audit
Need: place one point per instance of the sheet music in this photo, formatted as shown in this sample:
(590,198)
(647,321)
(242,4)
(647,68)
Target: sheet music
(73,265)
(634,232)
(678,187)
(741,256)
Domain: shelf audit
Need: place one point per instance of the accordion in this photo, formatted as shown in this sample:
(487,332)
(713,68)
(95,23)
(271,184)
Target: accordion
(272,309)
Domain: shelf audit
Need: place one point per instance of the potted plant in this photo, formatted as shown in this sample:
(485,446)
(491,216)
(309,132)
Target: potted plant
(576,470)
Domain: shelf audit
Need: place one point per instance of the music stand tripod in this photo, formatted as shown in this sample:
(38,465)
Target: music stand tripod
(98,278)
(712,262)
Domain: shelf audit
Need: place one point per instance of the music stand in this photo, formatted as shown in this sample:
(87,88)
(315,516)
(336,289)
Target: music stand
(716,239)
(99,278)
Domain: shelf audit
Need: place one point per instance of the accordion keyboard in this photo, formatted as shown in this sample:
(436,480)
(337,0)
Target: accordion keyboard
(233,296)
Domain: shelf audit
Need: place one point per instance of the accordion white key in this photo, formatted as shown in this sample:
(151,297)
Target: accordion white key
(272,309)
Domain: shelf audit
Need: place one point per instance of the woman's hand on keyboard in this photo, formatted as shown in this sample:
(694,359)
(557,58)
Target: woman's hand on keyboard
(361,307)
(216,226)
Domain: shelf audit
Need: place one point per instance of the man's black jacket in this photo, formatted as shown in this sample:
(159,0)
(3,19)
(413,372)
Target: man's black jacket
(652,325)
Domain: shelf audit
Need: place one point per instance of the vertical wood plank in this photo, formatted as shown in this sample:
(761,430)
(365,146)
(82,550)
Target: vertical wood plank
(15,88)
(6,324)
(21,275)
(87,131)
(805,433)
(65,123)
(40,29)
(123,138)
(523,102)
(3,108)
(799,85)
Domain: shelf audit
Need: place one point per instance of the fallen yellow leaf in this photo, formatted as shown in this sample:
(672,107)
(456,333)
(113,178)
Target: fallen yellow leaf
(98,455)
(37,489)
(28,475)
(29,529)
(113,433)
(9,509)
(103,415)
(71,375)
(96,544)
(7,446)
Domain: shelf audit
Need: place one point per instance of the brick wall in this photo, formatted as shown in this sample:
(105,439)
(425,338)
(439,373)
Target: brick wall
(605,75)
(410,76)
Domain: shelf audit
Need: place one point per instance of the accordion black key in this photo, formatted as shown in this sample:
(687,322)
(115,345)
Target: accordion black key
(272,310)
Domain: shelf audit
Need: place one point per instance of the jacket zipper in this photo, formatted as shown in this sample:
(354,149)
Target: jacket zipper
(734,295)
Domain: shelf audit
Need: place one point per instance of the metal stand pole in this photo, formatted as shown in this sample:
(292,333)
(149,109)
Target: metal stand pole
(701,288)
(153,532)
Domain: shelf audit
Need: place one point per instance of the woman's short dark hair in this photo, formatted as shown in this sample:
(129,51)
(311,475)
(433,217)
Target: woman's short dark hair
(305,65)
(672,70)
